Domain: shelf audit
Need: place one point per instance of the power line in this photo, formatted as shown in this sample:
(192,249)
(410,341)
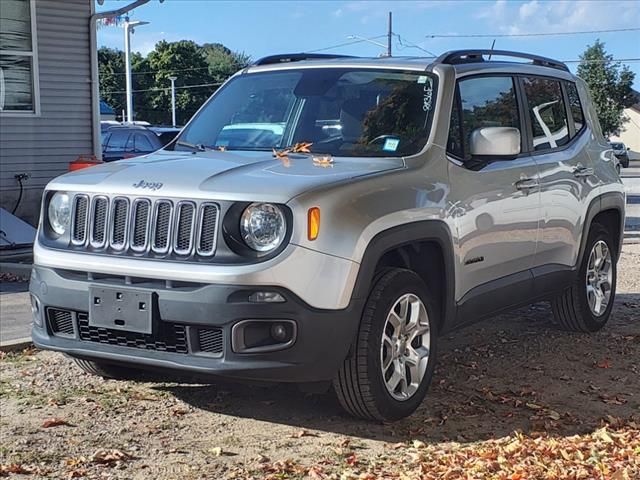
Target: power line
(163,89)
(345,44)
(407,44)
(539,34)
(613,60)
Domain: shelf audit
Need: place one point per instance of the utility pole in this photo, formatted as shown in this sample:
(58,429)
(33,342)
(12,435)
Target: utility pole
(173,100)
(128,30)
(389,36)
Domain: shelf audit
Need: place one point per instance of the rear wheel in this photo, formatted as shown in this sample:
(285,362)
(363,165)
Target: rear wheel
(388,372)
(586,305)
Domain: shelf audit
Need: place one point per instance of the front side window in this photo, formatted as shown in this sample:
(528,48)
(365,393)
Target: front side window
(482,102)
(547,113)
(343,112)
(575,106)
(17,63)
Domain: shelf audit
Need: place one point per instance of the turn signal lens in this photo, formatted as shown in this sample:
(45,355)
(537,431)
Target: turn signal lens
(313,228)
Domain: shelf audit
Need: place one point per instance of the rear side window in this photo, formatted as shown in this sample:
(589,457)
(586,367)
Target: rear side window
(482,102)
(575,106)
(142,143)
(117,141)
(547,113)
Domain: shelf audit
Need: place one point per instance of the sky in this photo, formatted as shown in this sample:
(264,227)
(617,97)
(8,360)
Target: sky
(261,28)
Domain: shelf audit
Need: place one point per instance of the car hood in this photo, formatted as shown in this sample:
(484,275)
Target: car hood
(234,175)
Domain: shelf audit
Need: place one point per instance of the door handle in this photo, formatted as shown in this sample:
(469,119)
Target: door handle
(527,184)
(581,171)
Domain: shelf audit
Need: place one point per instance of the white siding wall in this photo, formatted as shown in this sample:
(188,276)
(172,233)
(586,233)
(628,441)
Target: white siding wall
(630,132)
(43,146)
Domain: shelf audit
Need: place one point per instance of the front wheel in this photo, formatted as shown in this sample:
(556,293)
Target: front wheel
(389,369)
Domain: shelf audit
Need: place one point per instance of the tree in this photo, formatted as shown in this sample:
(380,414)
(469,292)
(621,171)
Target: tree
(223,62)
(199,71)
(610,86)
(112,76)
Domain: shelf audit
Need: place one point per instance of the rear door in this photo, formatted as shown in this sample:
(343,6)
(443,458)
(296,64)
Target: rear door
(559,144)
(497,199)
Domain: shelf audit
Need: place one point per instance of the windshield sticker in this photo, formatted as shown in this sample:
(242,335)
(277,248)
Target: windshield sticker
(426,97)
(391,144)
(422,79)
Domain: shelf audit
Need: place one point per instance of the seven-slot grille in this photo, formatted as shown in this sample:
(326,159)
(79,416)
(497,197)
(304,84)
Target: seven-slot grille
(142,226)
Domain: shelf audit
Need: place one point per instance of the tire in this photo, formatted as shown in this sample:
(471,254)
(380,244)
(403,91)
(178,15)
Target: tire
(361,384)
(106,370)
(571,309)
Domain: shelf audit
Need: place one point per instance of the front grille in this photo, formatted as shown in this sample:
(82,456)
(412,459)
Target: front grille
(184,228)
(60,321)
(80,216)
(140,225)
(144,226)
(172,338)
(210,340)
(119,221)
(99,221)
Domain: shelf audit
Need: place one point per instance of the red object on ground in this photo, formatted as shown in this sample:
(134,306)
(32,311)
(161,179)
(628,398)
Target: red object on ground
(83,161)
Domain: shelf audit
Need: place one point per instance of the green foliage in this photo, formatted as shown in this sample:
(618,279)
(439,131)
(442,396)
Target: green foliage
(194,66)
(610,86)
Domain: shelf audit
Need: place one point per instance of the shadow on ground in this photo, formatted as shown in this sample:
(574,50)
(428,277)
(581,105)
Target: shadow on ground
(513,372)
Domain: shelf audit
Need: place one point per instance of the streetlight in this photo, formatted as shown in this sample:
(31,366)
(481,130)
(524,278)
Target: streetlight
(173,100)
(128,29)
(363,39)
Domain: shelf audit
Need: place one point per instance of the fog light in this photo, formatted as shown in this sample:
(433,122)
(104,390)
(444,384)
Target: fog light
(266,297)
(35,310)
(279,332)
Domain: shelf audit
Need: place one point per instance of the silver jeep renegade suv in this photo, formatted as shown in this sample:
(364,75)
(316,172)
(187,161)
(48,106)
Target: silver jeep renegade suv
(324,219)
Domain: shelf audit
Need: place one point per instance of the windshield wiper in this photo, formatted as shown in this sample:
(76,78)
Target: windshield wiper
(199,147)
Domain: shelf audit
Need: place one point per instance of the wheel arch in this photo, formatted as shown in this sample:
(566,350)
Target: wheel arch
(402,246)
(608,210)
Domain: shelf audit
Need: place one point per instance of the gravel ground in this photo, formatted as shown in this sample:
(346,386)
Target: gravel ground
(512,398)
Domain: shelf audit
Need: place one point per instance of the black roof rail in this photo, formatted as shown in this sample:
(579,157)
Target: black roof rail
(296,57)
(456,57)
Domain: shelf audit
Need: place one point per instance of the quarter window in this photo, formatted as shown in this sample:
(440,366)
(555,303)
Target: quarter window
(575,106)
(547,113)
(18,60)
(482,102)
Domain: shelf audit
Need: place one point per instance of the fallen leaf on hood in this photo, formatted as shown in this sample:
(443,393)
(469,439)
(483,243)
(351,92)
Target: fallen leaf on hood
(54,422)
(323,160)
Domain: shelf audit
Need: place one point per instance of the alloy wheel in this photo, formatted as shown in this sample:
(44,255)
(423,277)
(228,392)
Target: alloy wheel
(404,352)
(599,278)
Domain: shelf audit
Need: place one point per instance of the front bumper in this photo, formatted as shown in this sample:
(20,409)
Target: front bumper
(323,337)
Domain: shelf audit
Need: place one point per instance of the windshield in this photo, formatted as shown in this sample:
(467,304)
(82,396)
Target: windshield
(343,112)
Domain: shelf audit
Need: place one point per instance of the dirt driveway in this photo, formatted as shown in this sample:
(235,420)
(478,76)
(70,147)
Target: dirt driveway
(513,398)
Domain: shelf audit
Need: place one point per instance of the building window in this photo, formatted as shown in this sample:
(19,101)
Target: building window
(18,58)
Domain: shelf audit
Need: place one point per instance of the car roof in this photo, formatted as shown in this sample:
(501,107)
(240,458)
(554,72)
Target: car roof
(465,62)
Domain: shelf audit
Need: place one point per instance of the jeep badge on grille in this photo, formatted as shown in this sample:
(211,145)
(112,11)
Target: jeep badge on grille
(150,185)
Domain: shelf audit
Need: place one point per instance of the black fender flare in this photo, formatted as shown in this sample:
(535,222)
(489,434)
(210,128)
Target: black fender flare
(422,231)
(604,202)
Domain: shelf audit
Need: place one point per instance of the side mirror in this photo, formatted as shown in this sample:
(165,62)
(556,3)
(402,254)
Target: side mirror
(495,141)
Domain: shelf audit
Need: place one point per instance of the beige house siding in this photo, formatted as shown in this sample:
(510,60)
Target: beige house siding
(630,132)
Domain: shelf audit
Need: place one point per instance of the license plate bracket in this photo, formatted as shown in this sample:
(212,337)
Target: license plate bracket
(125,309)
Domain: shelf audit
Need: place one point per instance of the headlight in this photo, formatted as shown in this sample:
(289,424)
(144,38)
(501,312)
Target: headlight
(263,226)
(59,212)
